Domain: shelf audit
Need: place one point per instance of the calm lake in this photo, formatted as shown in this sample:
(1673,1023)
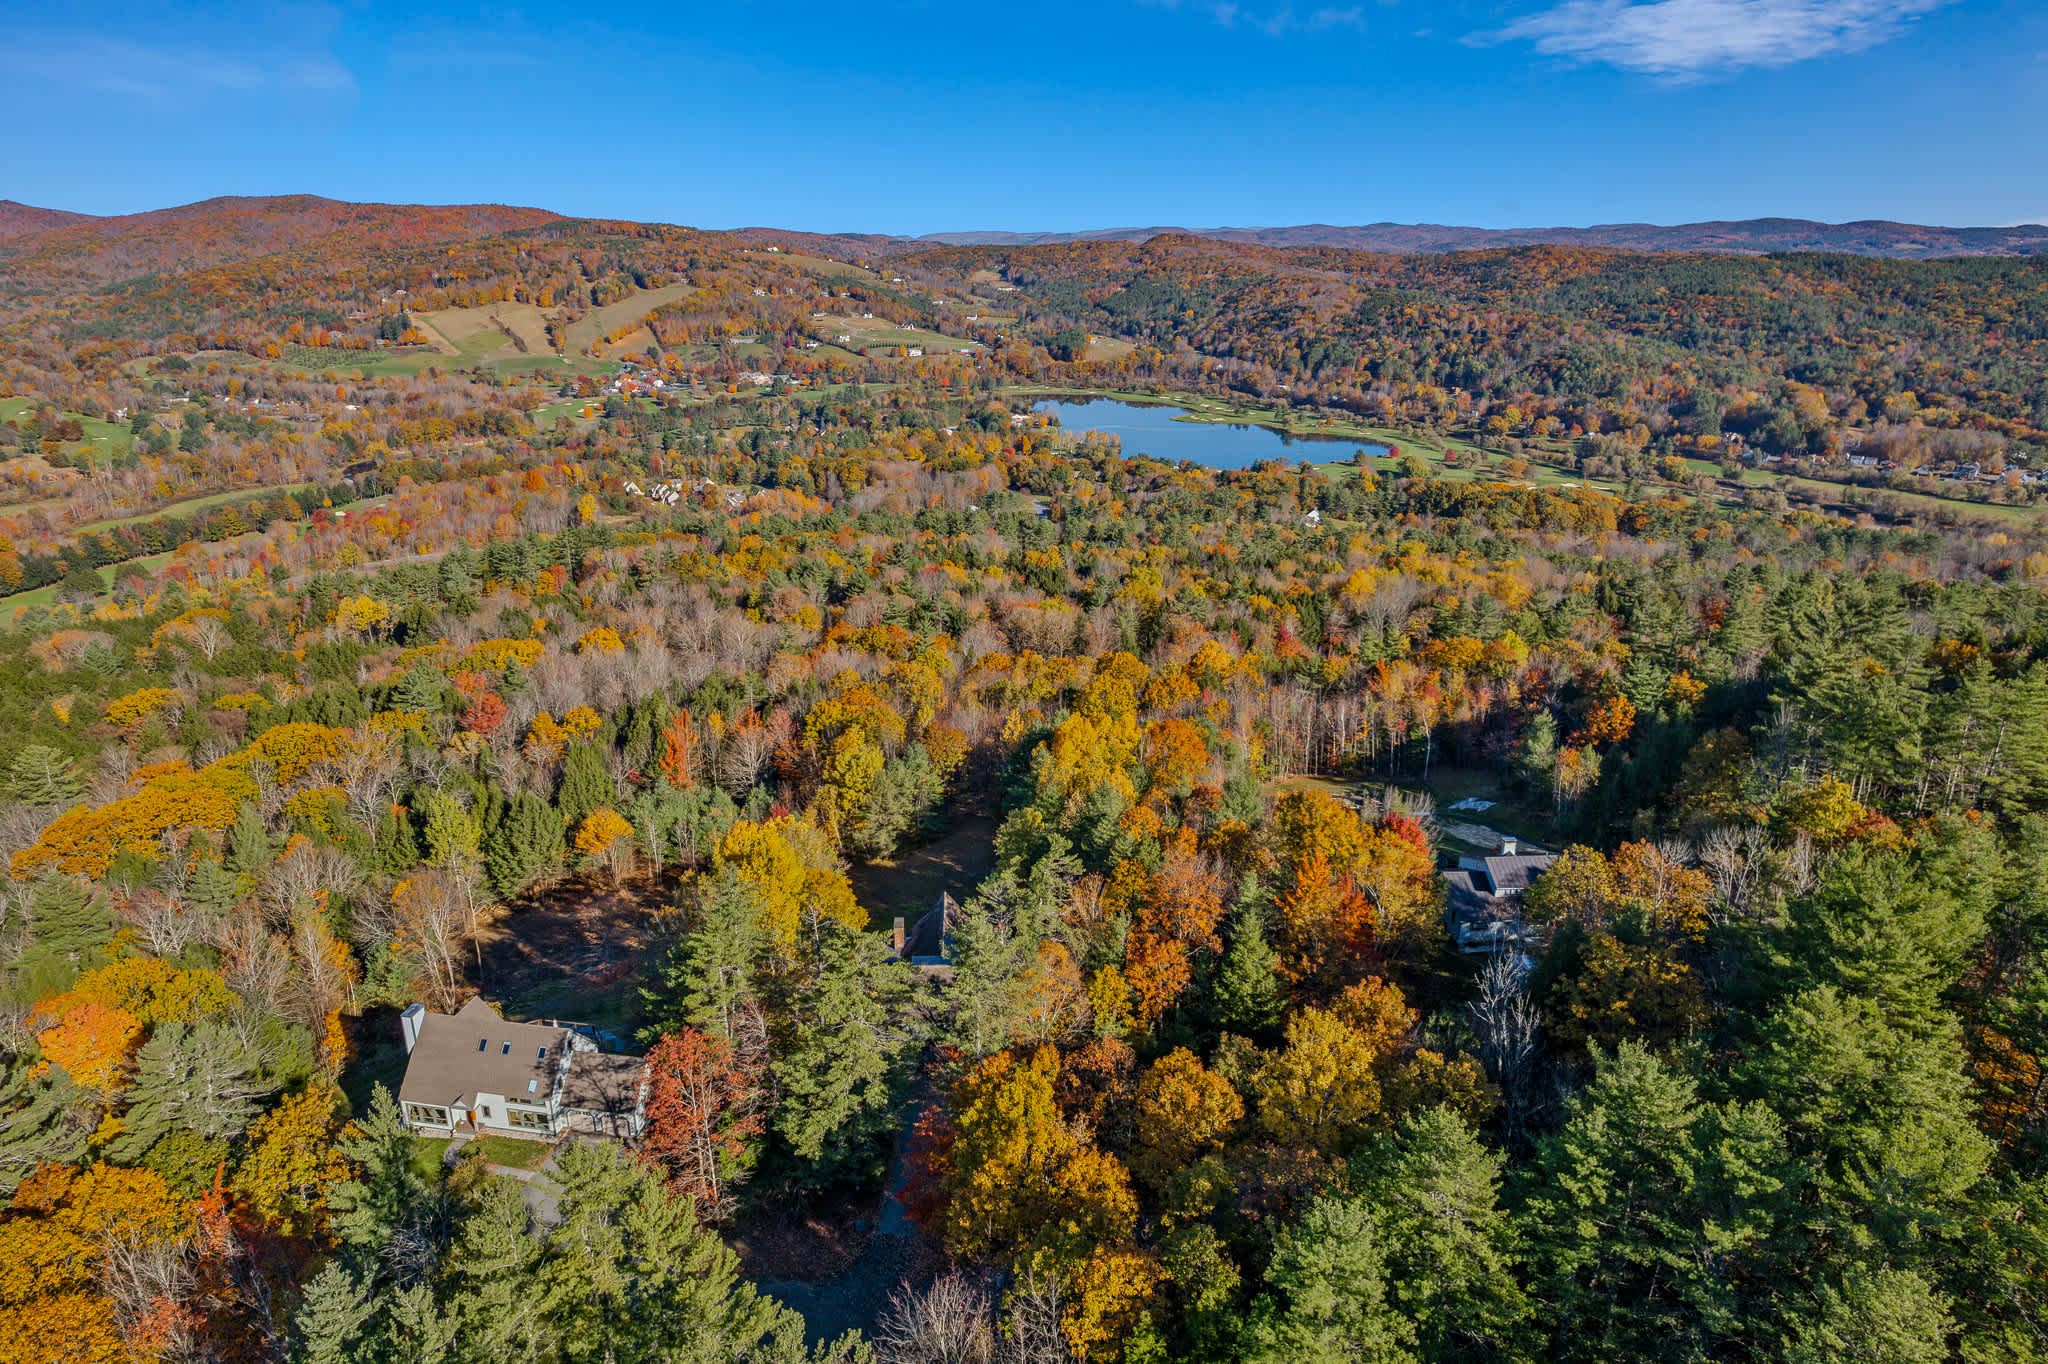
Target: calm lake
(1153,431)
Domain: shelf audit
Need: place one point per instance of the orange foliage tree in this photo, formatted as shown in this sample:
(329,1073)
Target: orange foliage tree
(702,1107)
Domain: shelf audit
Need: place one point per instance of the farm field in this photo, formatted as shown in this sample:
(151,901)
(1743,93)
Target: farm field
(881,331)
(495,331)
(820,265)
(593,326)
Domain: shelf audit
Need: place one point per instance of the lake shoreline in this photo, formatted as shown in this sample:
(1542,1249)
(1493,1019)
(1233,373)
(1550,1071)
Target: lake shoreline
(1213,439)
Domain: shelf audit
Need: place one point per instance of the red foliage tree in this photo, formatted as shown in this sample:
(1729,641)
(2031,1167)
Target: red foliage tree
(702,1106)
(484,715)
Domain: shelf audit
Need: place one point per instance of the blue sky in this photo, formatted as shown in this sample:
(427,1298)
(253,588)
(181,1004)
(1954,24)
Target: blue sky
(918,116)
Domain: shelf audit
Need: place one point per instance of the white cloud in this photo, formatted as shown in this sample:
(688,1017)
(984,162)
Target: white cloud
(1688,39)
(288,57)
(1271,20)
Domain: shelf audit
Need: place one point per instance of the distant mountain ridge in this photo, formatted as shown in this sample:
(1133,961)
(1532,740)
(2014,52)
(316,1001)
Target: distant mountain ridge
(1753,236)
(57,244)
(21,220)
(229,229)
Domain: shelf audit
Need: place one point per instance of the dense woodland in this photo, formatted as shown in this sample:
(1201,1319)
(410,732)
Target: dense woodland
(320,679)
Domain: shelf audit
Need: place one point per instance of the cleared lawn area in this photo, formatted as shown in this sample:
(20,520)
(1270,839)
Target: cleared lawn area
(820,265)
(146,566)
(489,332)
(102,438)
(512,1153)
(430,1158)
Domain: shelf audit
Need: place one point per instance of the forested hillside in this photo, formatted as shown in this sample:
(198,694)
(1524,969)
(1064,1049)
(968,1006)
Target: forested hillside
(630,626)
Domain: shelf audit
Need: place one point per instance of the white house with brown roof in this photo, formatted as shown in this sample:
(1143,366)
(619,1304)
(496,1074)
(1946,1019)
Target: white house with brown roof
(473,1072)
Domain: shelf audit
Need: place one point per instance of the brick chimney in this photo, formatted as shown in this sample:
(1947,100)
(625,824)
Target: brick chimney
(896,938)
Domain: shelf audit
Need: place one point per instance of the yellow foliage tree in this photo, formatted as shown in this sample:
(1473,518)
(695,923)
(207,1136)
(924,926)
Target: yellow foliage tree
(148,989)
(1184,1111)
(1319,1091)
(360,615)
(94,1045)
(137,706)
(292,1163)
(599,831)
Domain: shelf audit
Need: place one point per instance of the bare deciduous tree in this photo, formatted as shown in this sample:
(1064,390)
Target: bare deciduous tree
(951,1321)
(1504,1016)
(431,918)
(1031,1325)
(1735,860)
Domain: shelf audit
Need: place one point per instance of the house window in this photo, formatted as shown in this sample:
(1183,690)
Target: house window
(543,1053)
(533,1086)
(527,1119)
(482,1042)
(426,1115)
(506,1050)
(487,1112)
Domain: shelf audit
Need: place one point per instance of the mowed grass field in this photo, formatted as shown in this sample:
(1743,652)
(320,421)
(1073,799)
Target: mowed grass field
(183,508)
(146,567)
(496,331)
(880,331)
(102,438)
(598,323)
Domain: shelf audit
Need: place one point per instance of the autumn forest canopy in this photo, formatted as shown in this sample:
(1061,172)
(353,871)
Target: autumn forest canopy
(1552,870)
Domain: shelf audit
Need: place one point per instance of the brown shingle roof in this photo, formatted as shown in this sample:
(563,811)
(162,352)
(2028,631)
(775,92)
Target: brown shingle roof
(474,1051)
(1516,871)
(600,1082)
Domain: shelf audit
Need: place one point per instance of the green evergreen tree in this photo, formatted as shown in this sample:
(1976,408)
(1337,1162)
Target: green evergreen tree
(70,927)
(69,919)
(386,1192)
(335,1320)
(903,791)
(707,978)
(1450,1247)
(398,845)
(423,689)
(586,784)
(1246,997)
(1630,1260)
(42,1119)
(983,997)
(838,1069)
(1885,1114)
(524,845)
(454,836)
(40,775)
(1881,928)
(249,845)
(212,886)
(625,1273)
(203,1078)
(1327,1300)
(1874,1316)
